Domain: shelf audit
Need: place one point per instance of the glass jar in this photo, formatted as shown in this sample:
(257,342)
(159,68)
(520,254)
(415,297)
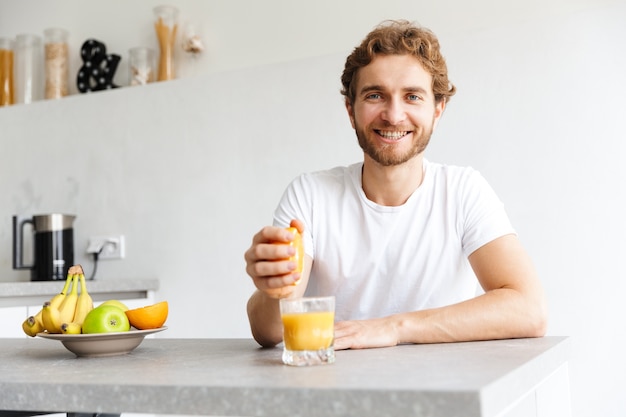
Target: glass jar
(57,63)
(165,25)
(29,74)
(142,65)
(7,93)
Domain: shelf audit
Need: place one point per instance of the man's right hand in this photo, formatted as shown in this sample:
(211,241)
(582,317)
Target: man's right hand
(267,261)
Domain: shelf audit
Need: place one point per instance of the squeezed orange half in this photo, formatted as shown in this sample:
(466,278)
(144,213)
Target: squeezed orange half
(308,331)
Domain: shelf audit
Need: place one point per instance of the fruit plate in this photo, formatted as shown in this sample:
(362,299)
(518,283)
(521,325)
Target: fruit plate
(102,344)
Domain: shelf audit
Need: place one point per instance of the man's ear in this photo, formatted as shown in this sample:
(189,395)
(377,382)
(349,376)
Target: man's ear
(439,109)
(350,111)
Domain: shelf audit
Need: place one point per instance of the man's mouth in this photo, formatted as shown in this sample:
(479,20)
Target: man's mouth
(392,134)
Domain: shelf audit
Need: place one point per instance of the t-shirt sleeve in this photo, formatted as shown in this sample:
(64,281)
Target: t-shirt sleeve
(295,204)
(484,216)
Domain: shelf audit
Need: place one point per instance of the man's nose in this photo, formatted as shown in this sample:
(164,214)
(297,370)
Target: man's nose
(394,112)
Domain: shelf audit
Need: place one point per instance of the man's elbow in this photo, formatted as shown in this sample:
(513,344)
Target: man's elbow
(264,341)
(537,319)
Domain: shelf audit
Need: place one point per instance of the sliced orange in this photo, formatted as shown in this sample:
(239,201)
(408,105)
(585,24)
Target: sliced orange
(298,258)
(149,317)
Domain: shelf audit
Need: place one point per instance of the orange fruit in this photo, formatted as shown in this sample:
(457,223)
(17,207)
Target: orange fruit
(149,317)
(298,258)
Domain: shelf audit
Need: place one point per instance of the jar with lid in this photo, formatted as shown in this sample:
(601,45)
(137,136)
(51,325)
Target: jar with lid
(56,63)
(7,93)
(142,65)
(166,25)
(29,76)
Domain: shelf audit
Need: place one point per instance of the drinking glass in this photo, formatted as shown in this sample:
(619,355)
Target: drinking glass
(308,330)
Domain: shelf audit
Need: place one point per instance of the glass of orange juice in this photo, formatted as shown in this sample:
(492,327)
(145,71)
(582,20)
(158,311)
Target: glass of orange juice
(308,330)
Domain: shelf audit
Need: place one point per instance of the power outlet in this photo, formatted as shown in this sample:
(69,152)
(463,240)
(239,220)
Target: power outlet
(108,247)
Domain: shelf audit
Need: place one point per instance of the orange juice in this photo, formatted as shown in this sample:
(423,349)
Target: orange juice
(308,331)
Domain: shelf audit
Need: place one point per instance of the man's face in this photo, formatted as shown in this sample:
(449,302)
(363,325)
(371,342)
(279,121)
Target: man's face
(394,111)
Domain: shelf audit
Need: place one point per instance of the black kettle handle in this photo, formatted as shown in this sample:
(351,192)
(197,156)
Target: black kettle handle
(18,241)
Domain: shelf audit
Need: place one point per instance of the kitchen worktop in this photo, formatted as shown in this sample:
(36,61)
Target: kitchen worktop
(37,292)
(234,377)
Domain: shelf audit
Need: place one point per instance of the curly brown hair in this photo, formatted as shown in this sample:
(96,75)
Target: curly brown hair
(399,37)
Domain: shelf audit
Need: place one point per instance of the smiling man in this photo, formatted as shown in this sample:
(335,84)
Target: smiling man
(413,251)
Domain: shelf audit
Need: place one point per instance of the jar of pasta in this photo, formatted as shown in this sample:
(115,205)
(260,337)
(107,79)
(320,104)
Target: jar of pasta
(28,67)
(142,65)
(7,93)
(166,25)
(56,63)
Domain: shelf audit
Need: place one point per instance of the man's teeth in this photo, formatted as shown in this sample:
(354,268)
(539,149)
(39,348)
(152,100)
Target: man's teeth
(392,135)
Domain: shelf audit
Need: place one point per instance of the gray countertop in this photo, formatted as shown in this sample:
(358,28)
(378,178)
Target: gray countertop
(36,292)
(234,377)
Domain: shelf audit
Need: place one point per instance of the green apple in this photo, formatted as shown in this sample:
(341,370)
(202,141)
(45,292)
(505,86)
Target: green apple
(116,303)
(106,319)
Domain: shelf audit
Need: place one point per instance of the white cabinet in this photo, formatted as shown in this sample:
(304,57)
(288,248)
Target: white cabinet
(11,319)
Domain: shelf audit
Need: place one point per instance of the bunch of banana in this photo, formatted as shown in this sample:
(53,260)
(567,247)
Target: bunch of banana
(34,324)
(84,304)
(66,311)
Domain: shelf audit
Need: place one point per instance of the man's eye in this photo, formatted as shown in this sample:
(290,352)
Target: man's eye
(373,96)
(414,97)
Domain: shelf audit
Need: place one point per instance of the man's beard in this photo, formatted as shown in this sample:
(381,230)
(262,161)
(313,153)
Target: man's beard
(387,154)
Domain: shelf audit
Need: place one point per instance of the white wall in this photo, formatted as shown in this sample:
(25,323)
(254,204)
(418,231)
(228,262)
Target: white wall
(188,170)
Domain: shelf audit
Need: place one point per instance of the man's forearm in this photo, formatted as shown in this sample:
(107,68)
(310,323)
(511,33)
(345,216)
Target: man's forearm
(264,318)
(498,314)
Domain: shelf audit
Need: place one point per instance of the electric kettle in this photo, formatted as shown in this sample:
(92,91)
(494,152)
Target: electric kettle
(53,245)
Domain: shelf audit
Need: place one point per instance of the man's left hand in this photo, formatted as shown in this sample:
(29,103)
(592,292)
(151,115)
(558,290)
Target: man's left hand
(361,334)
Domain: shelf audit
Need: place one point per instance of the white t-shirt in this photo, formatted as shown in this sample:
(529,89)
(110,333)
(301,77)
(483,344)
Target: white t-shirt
(379,260)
